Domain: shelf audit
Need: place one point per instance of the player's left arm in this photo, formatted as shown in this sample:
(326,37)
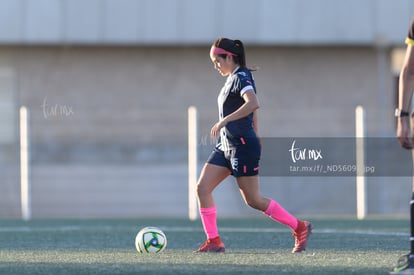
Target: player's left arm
(251,104)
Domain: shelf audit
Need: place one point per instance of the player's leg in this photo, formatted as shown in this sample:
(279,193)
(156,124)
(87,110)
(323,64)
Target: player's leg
(406,263)
(250,191)
(249,188)
(246,170)
(211,176)
(412,221)
(412,194)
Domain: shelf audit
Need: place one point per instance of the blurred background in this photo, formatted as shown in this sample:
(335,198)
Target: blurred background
(107,84)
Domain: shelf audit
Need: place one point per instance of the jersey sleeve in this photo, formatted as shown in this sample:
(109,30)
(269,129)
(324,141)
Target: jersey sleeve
(244,83)
(410,37)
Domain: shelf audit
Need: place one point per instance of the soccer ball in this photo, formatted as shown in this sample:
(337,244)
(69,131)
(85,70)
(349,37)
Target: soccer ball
(150,240)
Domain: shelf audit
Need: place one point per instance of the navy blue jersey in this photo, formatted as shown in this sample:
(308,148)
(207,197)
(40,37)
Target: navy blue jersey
(229,100)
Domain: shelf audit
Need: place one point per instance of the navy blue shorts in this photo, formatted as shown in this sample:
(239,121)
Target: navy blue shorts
(243,162)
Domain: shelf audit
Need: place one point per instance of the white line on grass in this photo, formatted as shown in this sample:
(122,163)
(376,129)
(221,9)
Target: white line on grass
(40,229)
(196,229)
(276,230)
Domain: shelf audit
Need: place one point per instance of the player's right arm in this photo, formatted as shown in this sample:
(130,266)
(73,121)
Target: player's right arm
(406,87)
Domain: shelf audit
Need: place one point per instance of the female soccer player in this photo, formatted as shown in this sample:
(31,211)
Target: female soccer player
(238,150)
(405,135)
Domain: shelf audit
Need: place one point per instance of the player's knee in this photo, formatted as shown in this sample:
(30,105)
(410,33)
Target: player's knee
(202,190)
(252,202)
(255,202)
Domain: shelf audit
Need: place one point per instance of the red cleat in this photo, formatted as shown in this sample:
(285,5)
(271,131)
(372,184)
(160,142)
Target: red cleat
(301,235)
(212,245)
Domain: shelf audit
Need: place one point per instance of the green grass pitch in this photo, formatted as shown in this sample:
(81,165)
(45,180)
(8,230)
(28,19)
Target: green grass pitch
(253,246)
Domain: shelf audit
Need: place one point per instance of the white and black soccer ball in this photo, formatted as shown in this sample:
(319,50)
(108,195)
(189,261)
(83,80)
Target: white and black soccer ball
(150,240)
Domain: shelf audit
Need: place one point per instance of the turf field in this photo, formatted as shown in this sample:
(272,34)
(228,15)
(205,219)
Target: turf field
(253,246)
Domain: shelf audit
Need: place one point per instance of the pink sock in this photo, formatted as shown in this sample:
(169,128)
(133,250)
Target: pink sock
(278,213)
(209,220)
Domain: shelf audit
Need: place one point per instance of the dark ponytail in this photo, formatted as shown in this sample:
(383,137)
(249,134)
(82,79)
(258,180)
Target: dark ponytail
(239,50)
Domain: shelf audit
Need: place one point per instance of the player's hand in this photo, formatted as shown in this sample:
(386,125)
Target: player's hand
(215,130)
(403,133)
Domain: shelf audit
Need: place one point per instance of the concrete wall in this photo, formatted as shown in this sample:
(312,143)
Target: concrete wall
(143,93)
(108,125)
